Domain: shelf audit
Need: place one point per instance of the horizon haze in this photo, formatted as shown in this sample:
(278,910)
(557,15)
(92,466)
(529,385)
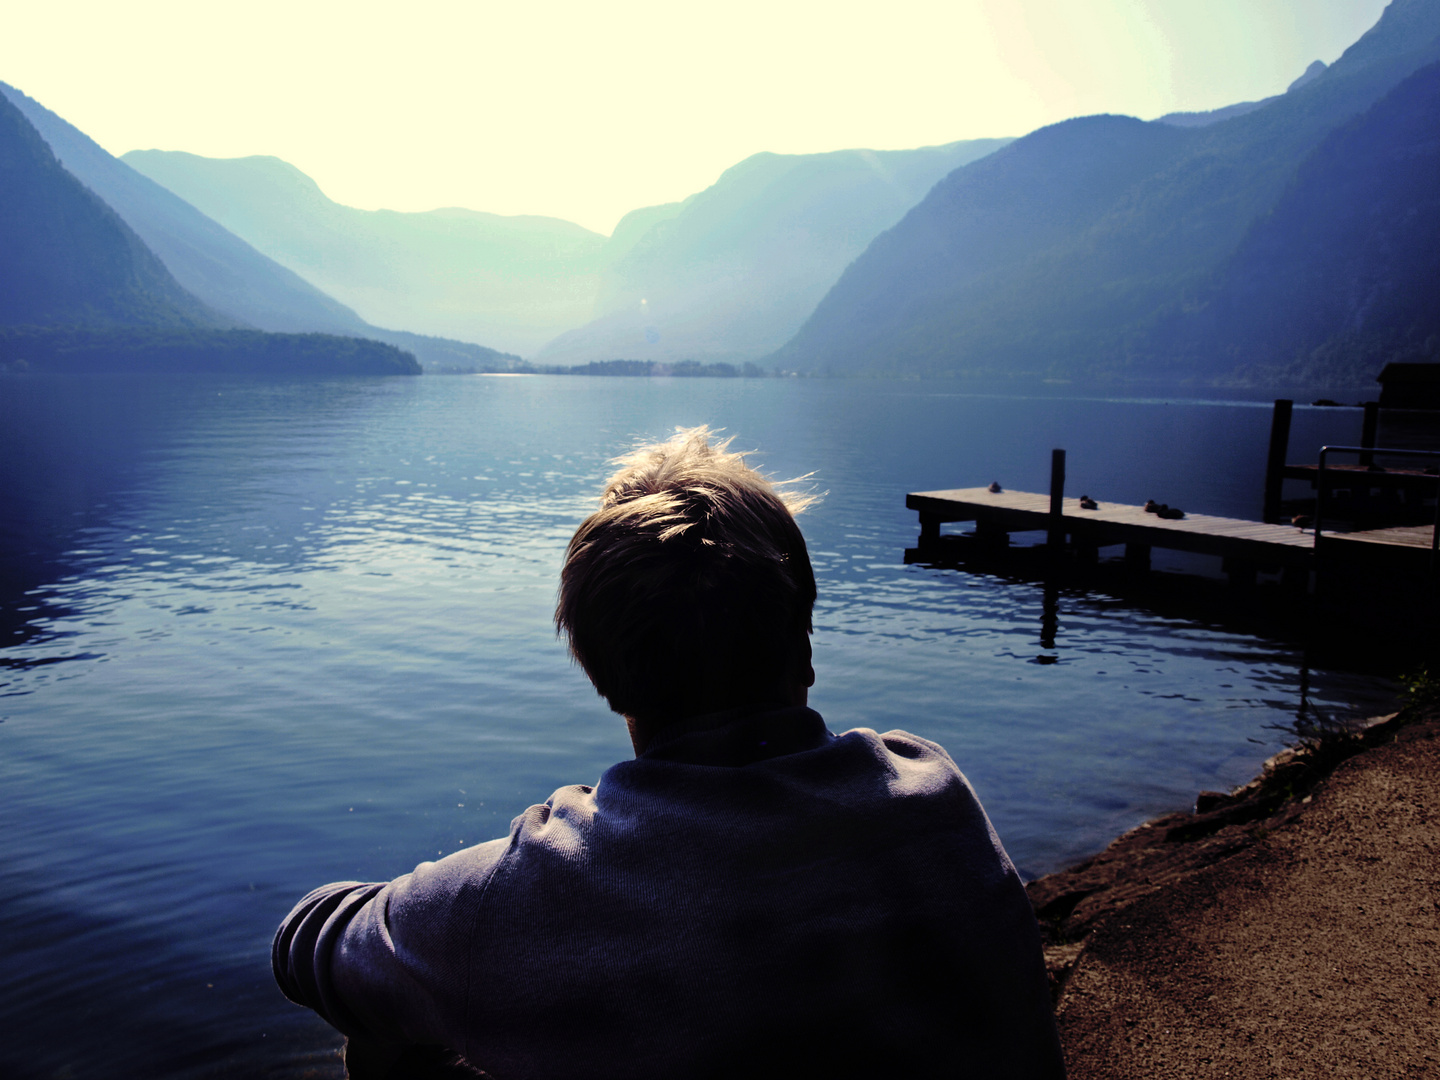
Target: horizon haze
(585,114)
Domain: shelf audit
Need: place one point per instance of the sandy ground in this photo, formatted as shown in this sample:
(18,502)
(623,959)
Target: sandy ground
(1292,930)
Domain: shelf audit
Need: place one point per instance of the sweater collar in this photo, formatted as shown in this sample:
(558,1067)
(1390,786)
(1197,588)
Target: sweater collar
(738,737)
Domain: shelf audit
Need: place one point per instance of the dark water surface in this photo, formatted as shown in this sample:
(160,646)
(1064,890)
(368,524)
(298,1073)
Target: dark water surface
(261,637)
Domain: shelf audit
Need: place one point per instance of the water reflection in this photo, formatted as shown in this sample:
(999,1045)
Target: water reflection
(1050,619)
(266,635)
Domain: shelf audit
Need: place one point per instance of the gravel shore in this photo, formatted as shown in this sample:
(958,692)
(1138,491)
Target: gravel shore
(1291,929)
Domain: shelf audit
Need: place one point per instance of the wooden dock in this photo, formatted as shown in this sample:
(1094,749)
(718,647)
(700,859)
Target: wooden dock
(1245,546)
(1348,561)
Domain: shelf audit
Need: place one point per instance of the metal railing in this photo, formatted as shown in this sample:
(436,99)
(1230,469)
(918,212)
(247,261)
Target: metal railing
(1367,454)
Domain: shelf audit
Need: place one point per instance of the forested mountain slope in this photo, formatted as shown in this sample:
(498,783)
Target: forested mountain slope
(1344,274)
(216,266)
(730,272)
(80,291)
(1063,253)
(733,271)
(508,282)
(66,257)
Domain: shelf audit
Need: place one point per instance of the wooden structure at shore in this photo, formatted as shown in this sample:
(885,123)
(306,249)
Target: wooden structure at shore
(1368,492)
(1246,548)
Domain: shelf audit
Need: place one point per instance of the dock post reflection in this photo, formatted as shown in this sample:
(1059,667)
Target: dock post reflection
(1049,614)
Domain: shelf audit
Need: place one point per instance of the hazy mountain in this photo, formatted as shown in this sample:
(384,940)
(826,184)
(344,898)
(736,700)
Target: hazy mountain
(728,273)
(1309,75)
(80,291)
(1204,119)
(219,268)
(634,225)
(732,272)
(510,282)
(215,265)
(1344,273)
(446,355)
(66,257)
(1213,116)
(1061,253)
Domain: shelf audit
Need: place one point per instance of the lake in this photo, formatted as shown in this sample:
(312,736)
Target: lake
(258,637)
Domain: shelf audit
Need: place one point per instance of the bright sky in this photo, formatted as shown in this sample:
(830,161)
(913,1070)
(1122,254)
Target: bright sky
(586,110)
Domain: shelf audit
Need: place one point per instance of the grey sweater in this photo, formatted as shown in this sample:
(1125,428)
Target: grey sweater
(751,896)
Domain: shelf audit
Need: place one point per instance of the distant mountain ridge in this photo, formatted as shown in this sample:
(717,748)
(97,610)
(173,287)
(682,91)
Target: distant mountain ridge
(728,273)
(216,266)
(1345,271)
(1063,254)
(733,271)
(220,269)
(66,258)
(509,282)
(1293,237)
(80,290)
(1214,116)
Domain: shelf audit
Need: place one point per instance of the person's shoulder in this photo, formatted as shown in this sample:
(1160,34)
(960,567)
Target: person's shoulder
(570,806)
(902,746)
(907,744)
(560,824)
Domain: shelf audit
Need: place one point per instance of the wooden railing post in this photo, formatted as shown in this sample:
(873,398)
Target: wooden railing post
(1367,432)
(1275,463)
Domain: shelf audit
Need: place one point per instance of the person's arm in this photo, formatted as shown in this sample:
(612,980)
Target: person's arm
(382,962)
(303,947)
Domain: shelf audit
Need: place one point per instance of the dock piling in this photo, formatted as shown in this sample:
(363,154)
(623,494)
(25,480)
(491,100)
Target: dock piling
(990,535)
(1137,558)
(929,530)
(1241,572)
(1057,500)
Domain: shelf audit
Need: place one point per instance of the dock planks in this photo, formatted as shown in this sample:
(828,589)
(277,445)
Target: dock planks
(1410,536)
(1253,542)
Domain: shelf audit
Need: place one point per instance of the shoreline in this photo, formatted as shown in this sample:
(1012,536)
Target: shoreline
(1198,944)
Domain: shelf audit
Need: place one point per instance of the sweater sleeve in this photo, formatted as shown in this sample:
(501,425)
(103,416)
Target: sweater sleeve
(389,962)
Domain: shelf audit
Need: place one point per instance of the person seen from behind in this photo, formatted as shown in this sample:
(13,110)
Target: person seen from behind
(751,895)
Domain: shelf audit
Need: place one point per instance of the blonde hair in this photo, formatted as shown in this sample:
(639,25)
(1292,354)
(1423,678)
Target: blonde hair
(690,589)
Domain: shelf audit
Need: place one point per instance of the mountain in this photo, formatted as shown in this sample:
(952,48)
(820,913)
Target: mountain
(1344,273)
(216,266)
(733,271)
(1204,119)
(66,257)
(446,356)
(80,291)
(1213,116)
(220,269)
(512,282)
(729,273)
(1062,253)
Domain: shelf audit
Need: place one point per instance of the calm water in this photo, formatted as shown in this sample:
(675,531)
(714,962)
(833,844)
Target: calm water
(258,638)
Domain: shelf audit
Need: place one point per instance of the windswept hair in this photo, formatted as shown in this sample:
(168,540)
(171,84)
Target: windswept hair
(690,589)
